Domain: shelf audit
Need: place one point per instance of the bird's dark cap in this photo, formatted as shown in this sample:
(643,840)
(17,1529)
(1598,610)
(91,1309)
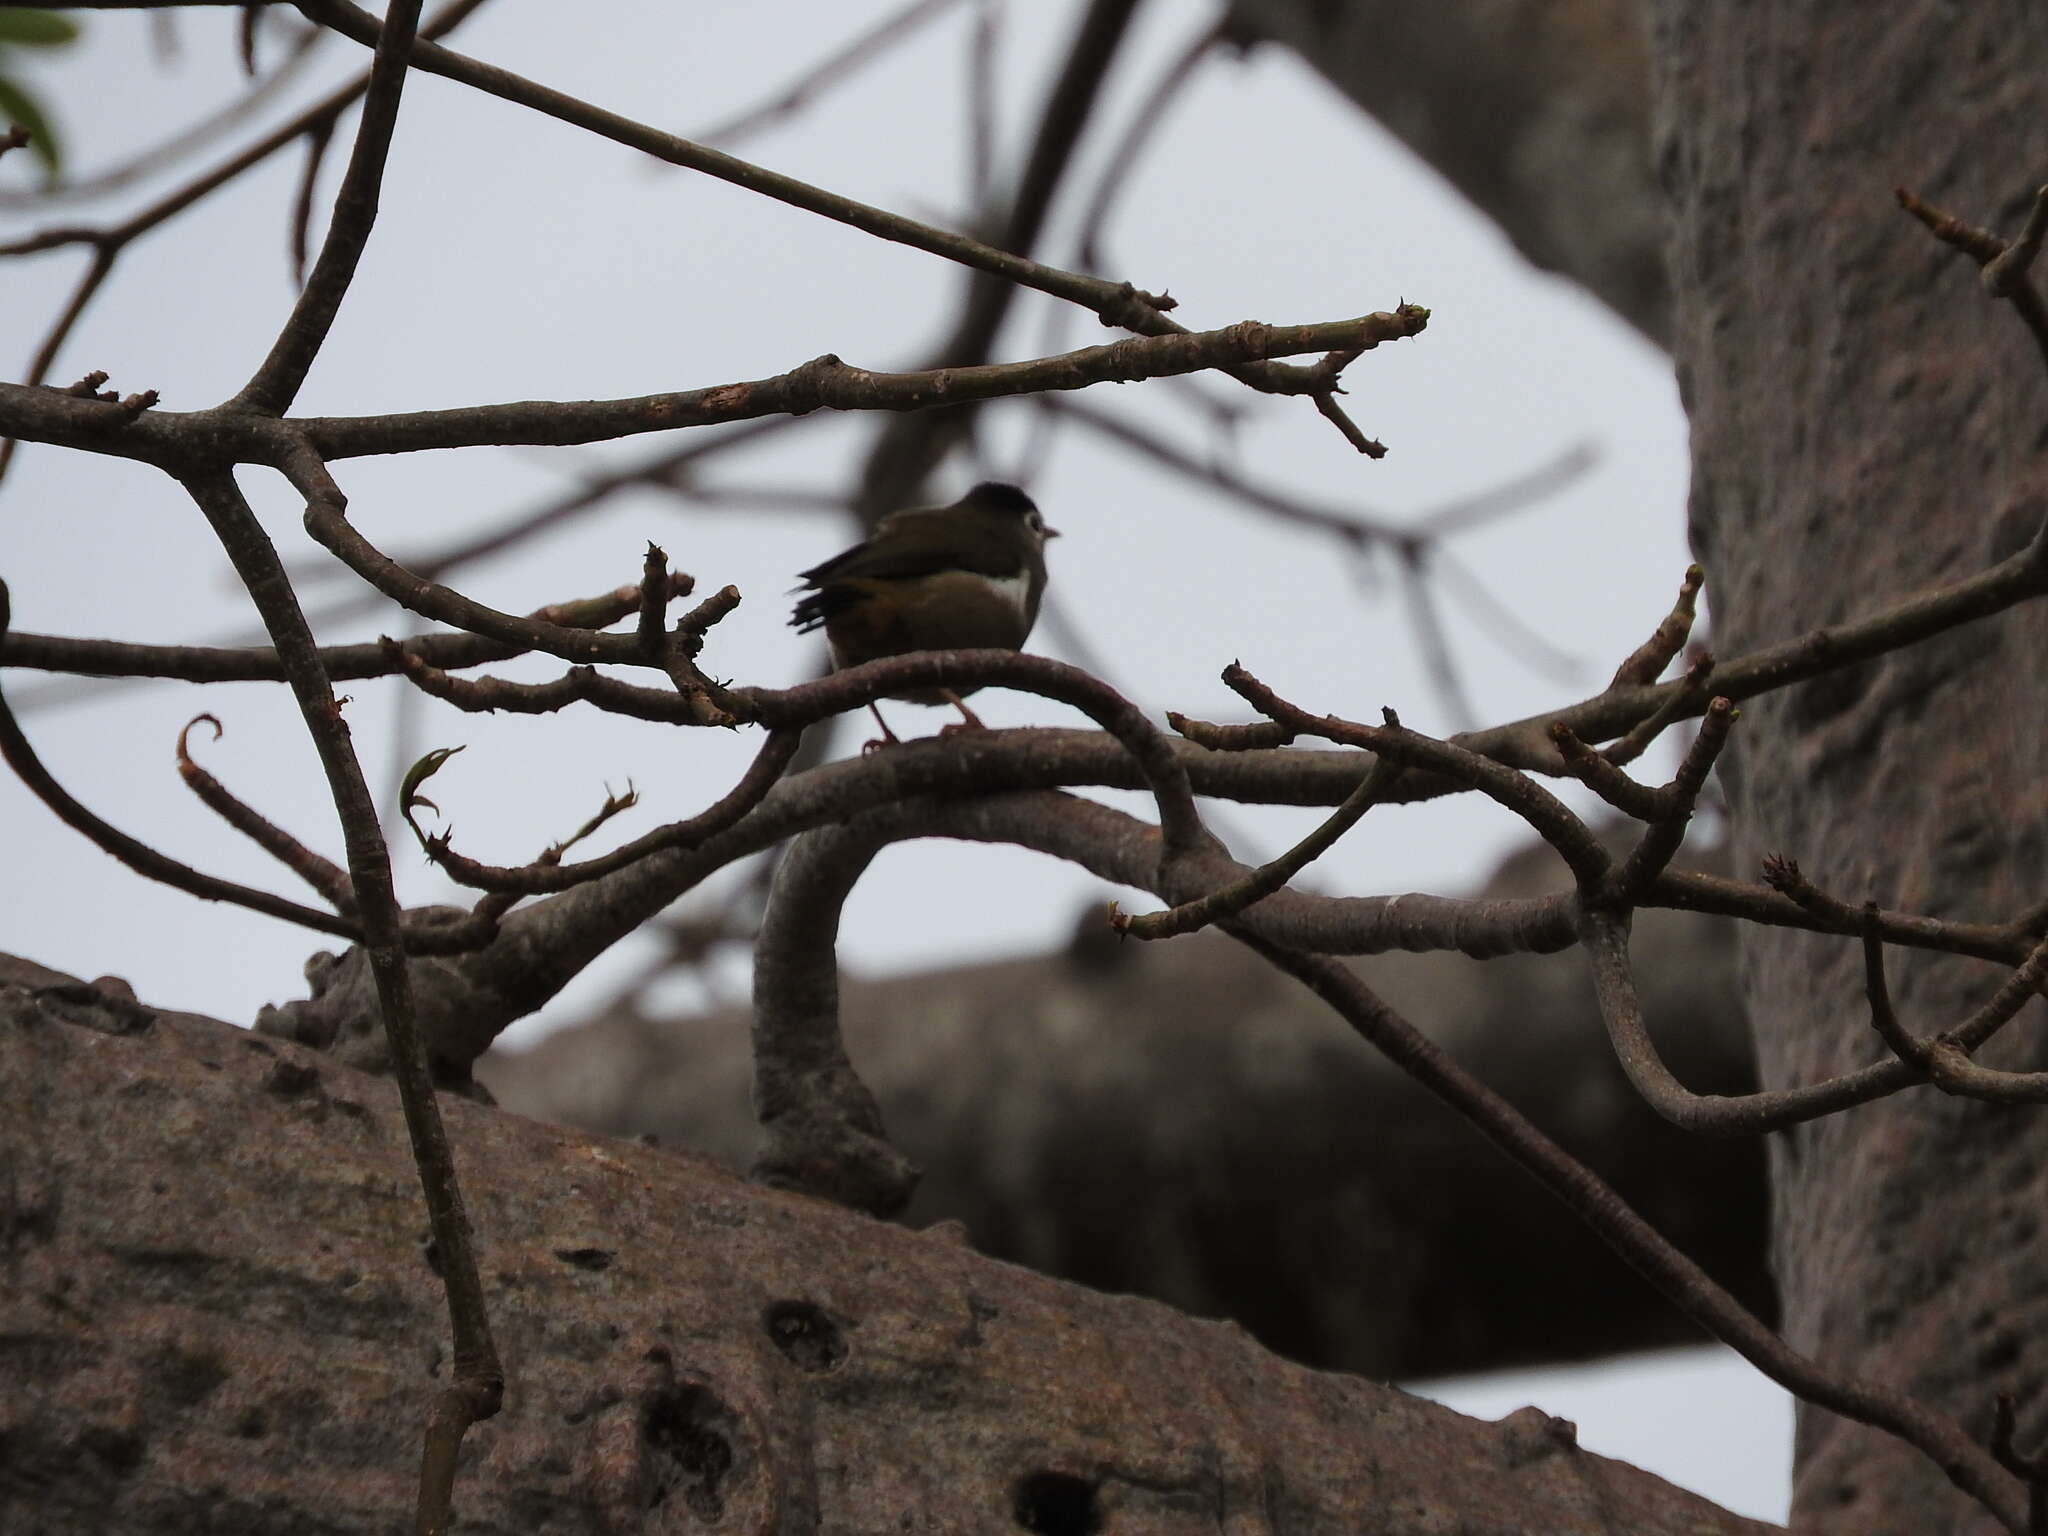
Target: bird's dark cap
(996,496)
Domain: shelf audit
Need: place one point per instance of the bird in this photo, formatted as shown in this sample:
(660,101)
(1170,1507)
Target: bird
(958,577)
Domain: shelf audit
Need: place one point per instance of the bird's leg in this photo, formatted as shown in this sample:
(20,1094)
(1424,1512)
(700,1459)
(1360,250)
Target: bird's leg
(969,720)
(888,738)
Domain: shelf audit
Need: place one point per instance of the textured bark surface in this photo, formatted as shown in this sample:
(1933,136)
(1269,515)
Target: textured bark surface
(1181,1121)
(218,1317)
(1537,110)
(1865,422)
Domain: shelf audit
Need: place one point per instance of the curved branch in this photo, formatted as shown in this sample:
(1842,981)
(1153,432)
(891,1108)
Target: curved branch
(824,1135)
(1945,1059)
(325,876)
(1605,935)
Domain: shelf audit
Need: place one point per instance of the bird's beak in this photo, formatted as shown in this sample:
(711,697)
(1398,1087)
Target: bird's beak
(1052,533)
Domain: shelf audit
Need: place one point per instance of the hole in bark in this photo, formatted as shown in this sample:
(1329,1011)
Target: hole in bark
(805,1333)
(585,1258)
(121,1449)
(1058,1504)
(188,1377)
(683,1427)
(289,1079)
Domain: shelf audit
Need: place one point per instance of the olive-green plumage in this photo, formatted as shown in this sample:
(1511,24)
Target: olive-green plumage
(960,577)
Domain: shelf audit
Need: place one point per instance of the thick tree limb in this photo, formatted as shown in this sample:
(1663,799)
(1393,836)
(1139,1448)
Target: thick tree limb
(694,1349)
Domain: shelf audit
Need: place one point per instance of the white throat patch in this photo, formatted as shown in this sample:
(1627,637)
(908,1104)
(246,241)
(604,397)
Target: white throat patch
(1014,590)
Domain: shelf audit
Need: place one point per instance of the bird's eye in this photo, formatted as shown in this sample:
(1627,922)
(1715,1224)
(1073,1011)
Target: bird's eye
(1034,522)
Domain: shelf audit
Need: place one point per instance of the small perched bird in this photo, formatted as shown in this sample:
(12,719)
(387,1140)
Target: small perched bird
(933,579)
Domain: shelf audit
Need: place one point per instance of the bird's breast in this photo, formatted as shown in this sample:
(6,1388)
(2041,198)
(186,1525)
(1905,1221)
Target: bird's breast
(949,611)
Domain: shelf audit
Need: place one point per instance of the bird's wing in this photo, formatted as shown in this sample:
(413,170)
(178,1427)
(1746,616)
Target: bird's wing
(906,545)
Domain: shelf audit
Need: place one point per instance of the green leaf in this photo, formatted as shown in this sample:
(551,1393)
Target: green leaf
(409,797)
(17,106)
(37,29)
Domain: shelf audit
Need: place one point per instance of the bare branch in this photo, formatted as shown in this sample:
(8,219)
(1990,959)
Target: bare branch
(478,1385)
(841,62)
(276,383)
(826,383)
(247,664)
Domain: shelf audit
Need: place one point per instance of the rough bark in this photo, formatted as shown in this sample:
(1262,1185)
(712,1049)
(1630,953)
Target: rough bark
(1536,110)
(1180,1121)
(218,1316)
(1864,422)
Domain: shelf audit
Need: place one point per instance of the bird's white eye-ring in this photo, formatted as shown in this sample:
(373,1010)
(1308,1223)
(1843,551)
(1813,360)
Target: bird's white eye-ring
(1034,522)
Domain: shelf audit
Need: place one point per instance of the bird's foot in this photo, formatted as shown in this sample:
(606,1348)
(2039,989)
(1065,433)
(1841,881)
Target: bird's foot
(969,720)
(888,738)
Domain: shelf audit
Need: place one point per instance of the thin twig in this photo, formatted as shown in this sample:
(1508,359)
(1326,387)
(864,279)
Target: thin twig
(1682,703)
(2005,273)
(1666,831)
(175,146)
(836,66)
(827,383)
(1432,640)
(275,384)
(1545,813)
(1647,662)
(1145,120)
(1606,779)
(324,875)
(982,106)
(1229,901)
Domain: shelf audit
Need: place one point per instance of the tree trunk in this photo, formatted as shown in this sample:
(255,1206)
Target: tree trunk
(1865,422)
